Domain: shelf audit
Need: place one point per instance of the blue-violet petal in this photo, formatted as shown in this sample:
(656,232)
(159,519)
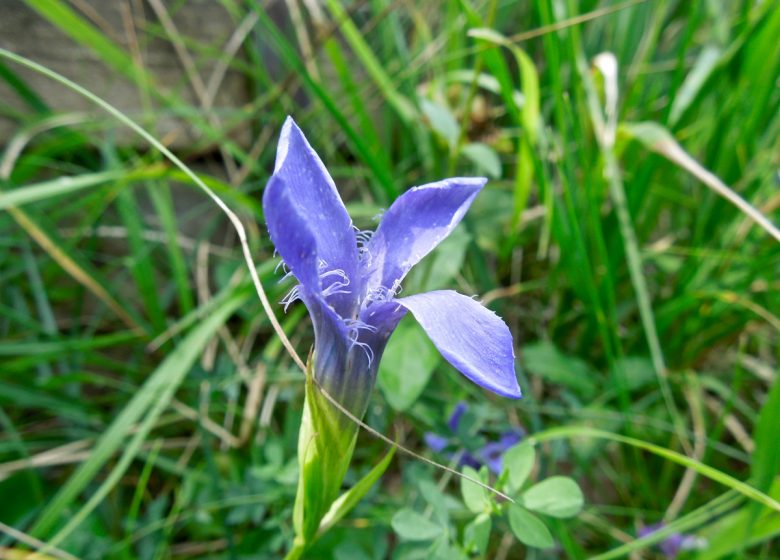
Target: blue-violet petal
(318,204)
(414,225)
(471,337)
(296,243)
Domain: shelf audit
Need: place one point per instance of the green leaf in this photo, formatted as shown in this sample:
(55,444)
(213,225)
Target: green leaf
(436,500)
(140,263)
(76,266)
(766,457)
(477,534)
(495,63)
(546,361)
(702,69)
(24,91)
(32,397)
(63,346)
(484,157)
(557,496)
(408,550)
(443,549)
(350,550)
(529,116)
(485,81)
(411,526)
(160,195)
(635,372)
(441,120)
(528,528)
(351,497)
(406,365)
(474,496)
(518,463)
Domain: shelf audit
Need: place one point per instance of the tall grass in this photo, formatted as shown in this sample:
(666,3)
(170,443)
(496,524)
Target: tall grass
(149,409)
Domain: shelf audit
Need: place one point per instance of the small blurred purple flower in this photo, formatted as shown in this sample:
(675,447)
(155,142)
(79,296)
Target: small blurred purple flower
(457,414)
(490,454)
(493,453)
(436,442)
(675,543)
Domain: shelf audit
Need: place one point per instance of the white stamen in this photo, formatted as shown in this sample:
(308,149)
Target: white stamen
(336,287)
(363,236)
(383,294)
(292,296)
(354,326)
(366,348)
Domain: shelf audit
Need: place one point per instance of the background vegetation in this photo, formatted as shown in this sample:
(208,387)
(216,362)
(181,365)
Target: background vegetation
(149,411)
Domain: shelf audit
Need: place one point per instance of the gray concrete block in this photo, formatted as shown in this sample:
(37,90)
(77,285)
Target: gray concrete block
(24,31)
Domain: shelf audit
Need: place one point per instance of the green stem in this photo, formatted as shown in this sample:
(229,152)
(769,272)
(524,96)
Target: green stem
(297,550)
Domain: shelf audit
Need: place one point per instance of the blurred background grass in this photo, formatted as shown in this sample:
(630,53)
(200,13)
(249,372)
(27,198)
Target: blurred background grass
(148,410)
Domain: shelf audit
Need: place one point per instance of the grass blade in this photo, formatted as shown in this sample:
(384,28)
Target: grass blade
(706,471)
(146,406)
(70,185)
(352,34)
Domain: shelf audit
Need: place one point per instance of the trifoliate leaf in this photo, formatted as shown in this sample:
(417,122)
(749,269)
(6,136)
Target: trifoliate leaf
(518,462)
(411,526)
(557,496)
(474,496)
(528,528)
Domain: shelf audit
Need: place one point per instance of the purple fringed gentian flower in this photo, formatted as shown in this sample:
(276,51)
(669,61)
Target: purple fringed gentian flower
(349,282)
(490,454)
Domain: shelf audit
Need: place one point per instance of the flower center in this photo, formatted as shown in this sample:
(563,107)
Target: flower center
(382,293)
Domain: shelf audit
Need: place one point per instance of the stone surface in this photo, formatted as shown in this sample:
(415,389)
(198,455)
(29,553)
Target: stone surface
(24,31)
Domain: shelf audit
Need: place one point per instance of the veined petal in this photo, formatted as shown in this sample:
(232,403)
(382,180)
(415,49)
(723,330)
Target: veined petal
(471,337)
(383,317)
(416,222)
(316,202)
(291,234)
(296,243)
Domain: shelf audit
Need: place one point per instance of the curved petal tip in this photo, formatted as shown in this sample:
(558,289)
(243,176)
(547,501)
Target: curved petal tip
(471,337)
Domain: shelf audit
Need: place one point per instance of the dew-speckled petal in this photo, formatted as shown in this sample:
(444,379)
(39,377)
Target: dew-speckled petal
(297,245)
(290,234)
(414,225)
(316,202)
(472,338)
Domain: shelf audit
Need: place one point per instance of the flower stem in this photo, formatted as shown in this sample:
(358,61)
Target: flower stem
(298,547)
(297,550)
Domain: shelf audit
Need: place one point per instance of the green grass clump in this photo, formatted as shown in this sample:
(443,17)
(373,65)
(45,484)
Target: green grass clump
(148,408)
